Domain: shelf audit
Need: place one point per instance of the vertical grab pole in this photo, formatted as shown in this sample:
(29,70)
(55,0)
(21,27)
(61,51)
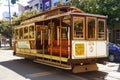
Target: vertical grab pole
(43,39)
(60,38)
(51,41)
(68,41)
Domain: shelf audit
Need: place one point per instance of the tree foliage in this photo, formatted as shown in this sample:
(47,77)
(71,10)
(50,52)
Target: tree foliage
(16,20)
(6,28)
(110,8)
(26,14)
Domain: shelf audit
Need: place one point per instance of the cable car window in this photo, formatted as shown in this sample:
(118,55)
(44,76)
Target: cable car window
(78,27)
(31,31)
(21,33)
(101,28)
(64,33)
(25,32)
(91,28)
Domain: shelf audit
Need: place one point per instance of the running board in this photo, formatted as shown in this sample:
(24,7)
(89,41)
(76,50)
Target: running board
(54,64)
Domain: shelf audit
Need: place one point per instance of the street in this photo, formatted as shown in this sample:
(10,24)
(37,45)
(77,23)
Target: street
(17,68)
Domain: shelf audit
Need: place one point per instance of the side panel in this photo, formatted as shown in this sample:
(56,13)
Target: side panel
(102,48)
(78,49)
(91,49)
(23,44)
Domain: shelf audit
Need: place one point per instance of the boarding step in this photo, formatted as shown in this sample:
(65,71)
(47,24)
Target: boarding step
(54,64)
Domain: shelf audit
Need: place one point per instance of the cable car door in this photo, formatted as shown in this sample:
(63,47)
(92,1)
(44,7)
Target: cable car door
(41,38)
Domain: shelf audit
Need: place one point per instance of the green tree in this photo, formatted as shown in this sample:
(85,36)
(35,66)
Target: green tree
(110,8)
(6,30)
(17,20)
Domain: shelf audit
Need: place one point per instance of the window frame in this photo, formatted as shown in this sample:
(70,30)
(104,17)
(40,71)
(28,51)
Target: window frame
(83,18)
(26,34)
(64,38)
(32,32)
(117,32)
(47,5)
(104,29)
(21,34)
(87,28)
(36,6)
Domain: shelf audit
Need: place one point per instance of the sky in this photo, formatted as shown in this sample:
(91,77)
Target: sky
(14,8)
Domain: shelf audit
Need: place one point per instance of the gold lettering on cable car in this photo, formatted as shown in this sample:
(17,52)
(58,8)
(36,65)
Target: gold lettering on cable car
(79,49)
